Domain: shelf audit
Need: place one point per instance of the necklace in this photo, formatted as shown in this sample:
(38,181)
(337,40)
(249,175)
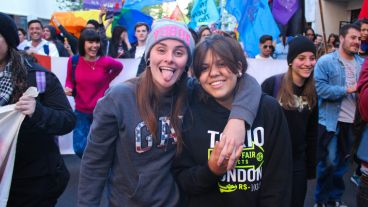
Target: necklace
(93,65)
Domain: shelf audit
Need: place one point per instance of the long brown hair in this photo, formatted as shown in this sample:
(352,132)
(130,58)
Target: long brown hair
(18,74)
(286,92)
(148,100)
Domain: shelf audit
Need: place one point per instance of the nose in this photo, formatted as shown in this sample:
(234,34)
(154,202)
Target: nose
(310,62)
(169,57)
(214,71)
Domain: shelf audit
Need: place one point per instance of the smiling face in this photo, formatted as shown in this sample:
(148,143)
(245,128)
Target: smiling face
(217,79)
(35,31)
(302,67)
(46,33)
(168,59)
(91,49)
(351,42)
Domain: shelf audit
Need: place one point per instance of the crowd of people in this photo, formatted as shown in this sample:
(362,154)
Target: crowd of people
(193,128)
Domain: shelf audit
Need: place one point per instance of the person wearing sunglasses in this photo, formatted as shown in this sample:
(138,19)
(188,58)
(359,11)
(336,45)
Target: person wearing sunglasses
(266,47)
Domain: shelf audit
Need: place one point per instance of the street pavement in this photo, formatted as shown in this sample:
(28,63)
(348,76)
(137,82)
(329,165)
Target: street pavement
(69,197)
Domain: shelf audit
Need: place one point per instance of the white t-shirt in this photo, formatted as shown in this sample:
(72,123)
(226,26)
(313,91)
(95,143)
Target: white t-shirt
(348,103)
(139,50)
(40,49)
(263,58)
(22,45)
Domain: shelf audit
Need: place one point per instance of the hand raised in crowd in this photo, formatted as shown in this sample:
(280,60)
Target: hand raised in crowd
(26,105)
(351,89)
(103,11)
(68,91)
(233,137)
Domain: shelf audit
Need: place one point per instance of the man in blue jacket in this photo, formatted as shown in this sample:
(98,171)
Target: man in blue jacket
(336,75)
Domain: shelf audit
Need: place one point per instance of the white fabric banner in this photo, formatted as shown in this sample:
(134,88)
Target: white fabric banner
(10,122)
(310,10)
(259,69)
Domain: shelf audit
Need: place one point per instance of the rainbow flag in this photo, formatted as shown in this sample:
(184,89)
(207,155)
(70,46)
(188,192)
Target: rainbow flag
(74,21)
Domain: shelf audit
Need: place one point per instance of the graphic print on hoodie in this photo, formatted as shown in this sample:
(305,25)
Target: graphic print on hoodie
(262,176)
(247,174)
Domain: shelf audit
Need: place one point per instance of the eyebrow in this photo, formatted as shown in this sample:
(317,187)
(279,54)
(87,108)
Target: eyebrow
(163,44)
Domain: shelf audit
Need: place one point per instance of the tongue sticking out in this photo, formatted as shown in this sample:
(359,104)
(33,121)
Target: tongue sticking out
(167,74)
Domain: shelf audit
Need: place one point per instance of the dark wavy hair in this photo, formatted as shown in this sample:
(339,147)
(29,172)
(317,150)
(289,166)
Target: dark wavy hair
(18,70)
(115,41)
(88,35)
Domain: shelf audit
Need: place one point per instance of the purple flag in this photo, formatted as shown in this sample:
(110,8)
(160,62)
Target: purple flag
(283,10)
(96,4)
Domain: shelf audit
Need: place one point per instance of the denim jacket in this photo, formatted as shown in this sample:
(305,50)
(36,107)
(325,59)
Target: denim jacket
(329,75)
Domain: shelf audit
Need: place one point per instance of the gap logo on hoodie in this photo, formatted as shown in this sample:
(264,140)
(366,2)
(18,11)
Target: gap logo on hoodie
(247,174)
(144,139)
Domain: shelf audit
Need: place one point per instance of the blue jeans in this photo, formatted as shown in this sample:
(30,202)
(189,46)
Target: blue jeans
(333,164)
(81,131)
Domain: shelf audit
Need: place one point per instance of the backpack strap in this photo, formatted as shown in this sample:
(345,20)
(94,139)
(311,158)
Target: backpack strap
(46,49)
(276,85)
(75,59)
(41,81)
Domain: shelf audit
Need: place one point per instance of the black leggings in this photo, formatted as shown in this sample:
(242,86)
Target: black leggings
(299,188)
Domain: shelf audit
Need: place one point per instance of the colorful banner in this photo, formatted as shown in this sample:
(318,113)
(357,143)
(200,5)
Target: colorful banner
(204,12)
(178,15)
(128,18)
(283,10)
(75,21)
(96,4)
(139,4)
(254,19)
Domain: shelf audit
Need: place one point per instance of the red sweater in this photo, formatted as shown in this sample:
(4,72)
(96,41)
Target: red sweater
(92,79)
(363,90)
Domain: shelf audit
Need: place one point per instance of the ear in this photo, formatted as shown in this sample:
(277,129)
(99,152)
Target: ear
(341,38)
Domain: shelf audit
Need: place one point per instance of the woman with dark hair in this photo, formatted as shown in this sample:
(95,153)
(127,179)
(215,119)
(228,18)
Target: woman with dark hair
(119,44)
(90,79)
(39,175)
(22,34)
(203,32)
(296,93)
(261,176)
(310,34)
(137,125)
(49,34)
(333,39)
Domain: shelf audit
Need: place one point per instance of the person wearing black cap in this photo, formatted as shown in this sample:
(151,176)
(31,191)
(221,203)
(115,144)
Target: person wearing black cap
(39,175)
(295,91)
